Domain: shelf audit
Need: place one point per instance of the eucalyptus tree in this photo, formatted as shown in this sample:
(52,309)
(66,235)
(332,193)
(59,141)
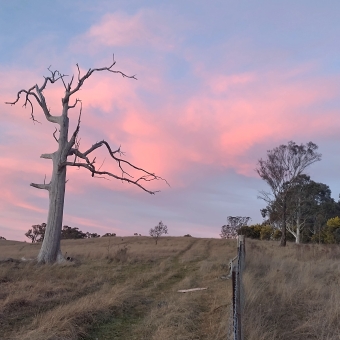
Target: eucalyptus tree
(33,97)
(280,170)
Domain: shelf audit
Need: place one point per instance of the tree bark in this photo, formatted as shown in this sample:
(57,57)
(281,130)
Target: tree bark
(284,222)
(298,222)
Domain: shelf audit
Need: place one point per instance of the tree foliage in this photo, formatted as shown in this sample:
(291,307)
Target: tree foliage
(37,233)
(158,231)
(109,235)
(2,238)
(309,206)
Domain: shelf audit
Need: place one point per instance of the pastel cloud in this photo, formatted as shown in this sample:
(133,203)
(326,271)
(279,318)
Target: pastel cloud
(146,27)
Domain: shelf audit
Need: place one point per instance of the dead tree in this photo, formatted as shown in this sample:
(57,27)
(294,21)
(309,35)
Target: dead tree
(69,147)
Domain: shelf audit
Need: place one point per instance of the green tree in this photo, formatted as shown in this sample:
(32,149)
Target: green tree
(280,170)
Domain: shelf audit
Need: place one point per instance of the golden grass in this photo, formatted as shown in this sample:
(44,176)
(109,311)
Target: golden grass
(117,289)
(291,293)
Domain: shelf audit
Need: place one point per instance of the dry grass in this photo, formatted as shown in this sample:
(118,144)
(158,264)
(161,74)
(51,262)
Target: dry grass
(291,293)
(117,289)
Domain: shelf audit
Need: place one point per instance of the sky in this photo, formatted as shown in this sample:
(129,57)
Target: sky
(219,84)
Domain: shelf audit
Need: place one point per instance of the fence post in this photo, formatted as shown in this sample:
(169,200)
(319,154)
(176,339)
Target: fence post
(237,289)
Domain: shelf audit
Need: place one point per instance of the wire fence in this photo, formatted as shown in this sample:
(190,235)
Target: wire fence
(236,270)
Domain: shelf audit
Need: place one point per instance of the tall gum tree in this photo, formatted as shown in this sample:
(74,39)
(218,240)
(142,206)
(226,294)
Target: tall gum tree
(50,251)
(280,170)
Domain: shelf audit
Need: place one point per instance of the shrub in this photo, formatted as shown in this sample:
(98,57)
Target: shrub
(266,232)
(329,233)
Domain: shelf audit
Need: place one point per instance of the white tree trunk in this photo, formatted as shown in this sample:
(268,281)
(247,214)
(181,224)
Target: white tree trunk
(50,250)
(297,240)
(298,223)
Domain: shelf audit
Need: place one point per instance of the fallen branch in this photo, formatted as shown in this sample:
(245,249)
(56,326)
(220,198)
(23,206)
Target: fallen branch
(190,290)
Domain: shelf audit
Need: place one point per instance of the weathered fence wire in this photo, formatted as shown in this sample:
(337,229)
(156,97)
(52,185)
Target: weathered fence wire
(236,270)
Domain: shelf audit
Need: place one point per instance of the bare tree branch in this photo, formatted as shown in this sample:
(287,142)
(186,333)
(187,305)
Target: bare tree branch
(136,182)
(89,73)
(74,105)
(39,97)
(75,133)
(46,155)
(120,161)
(41,186)
(55,136)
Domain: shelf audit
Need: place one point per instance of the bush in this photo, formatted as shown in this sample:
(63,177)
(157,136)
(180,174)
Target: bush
(330,233)
(253,231)
(266,232)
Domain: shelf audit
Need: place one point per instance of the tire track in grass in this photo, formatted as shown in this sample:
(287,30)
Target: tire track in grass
(120,325)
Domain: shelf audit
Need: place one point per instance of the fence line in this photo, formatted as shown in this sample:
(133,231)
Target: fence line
(236,271)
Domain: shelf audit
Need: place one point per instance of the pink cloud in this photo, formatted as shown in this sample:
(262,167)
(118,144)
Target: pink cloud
(146,27)
(216,125)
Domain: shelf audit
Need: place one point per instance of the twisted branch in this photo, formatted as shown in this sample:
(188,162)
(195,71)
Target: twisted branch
(125,176)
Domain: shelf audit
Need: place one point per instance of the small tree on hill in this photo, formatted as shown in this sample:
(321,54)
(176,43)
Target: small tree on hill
(234,224)
(158,231)
(36,233)
(2,238)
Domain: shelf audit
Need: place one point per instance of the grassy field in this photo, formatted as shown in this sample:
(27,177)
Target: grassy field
(291,293)
(117,289)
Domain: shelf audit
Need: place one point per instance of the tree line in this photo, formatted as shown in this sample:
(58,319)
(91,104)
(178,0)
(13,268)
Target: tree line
(296,207)
(37,233)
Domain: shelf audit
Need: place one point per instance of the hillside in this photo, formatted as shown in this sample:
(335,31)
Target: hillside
(117,288)
(291,293)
